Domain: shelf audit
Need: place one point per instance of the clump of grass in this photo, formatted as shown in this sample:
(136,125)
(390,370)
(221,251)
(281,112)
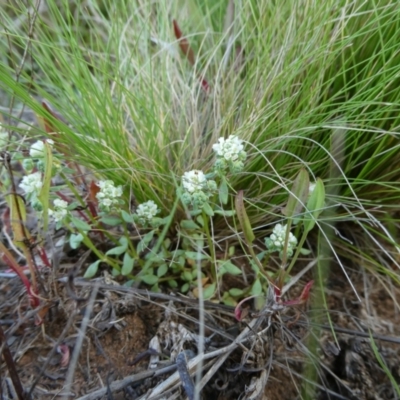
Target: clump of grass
(146,89)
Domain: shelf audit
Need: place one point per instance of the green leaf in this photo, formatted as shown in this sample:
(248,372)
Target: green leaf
(234,292)
(162,270)
(116,251)
(208,210)
(189,224)
(127,264)
(92,269)
(124,241)
(155,288)
(223,191)
(254,267)
(156,258)
(111,220)
(81,225)
(305,252)
(225,213)
(173,283)
(193,255)
(230,268)
(149,279)
(146,239)
(185,287)
(186,276)
(315,205)
(73,205)
(229,301)
(181,261)
(45,190)
(195,212)
(298,194)
(209,291)
(75,240)
(256,288)
(164,221)
(261,255)
(244,219)
(200,220)
(128,218)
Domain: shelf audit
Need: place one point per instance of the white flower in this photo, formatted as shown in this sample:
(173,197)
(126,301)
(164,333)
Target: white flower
(32,183)
(147,210)
(59,203)
(109,195)
(230,149)
(194,181)
(60,210)
(279,234)
(108,189)
(106,202)
(37,148)
(276,240)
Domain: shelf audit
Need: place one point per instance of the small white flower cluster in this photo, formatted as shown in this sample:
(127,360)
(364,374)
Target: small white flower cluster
(32,184)
(60,210)
(194,181)
(197,188)
(37,153)
(276,241)
(230,154)
(109,195)
(37,148)
(146,212)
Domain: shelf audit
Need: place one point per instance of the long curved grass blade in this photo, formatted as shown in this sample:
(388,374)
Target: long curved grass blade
(298,194)
(244,219)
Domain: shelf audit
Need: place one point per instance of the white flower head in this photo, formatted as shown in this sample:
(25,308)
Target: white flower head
(32,183)
(109,195)
(37,148)
(59,203)
(276,240)
(194,181)
(230,149)
(147,210)
(60,210)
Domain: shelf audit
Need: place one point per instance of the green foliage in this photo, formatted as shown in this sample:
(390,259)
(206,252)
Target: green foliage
(311,88)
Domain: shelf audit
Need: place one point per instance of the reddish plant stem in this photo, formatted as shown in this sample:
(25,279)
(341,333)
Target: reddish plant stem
(12,369)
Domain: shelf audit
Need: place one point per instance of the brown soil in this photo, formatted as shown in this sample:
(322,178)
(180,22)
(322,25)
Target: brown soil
(123,321)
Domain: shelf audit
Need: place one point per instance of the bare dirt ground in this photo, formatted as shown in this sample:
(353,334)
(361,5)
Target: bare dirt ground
(118,359)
